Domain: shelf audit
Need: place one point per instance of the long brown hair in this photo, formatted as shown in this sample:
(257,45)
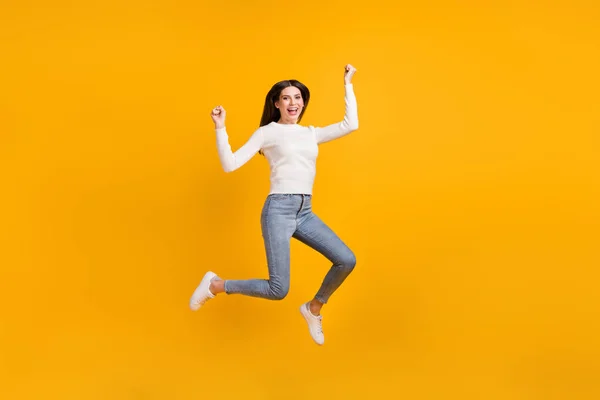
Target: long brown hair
(272,113)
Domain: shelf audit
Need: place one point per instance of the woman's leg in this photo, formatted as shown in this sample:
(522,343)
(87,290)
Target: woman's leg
(316,234)
(278,222)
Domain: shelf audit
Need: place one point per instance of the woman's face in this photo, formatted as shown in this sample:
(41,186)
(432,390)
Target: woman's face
(290,105)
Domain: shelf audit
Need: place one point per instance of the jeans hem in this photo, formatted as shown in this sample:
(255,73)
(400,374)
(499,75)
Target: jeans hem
(321,299)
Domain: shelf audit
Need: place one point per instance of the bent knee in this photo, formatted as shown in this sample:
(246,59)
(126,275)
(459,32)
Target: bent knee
(348,261)
(279,292)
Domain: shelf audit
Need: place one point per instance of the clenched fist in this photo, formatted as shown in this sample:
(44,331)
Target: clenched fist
(218,116)
(349,71)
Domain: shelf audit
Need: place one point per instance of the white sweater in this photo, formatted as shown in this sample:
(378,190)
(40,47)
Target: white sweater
(290,149)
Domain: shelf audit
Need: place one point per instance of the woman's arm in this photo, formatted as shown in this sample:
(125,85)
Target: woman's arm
(231,161)
(350,121)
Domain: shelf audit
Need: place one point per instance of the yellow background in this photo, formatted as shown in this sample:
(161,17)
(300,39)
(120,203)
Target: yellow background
(470,195)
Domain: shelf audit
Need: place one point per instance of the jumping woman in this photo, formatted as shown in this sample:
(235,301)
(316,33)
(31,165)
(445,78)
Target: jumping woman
(291,150)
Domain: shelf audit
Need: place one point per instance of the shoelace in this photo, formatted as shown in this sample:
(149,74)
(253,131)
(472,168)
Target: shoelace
(320,325)
(204,299)
(201,301)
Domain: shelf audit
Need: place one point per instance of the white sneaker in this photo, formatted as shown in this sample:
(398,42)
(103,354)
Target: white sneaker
(202,293)
(314,324)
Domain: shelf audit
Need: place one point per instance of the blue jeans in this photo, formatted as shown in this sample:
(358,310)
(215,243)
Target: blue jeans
(290,215)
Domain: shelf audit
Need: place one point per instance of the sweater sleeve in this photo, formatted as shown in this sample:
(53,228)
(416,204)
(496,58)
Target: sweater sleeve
(347,125)
(232,161)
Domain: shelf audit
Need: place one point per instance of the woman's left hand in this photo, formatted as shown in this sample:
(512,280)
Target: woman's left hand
(349,71)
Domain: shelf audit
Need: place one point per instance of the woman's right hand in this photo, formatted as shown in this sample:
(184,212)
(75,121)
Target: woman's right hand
(218,116)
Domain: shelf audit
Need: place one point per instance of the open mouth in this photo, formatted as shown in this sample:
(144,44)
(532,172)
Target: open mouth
(293,110)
